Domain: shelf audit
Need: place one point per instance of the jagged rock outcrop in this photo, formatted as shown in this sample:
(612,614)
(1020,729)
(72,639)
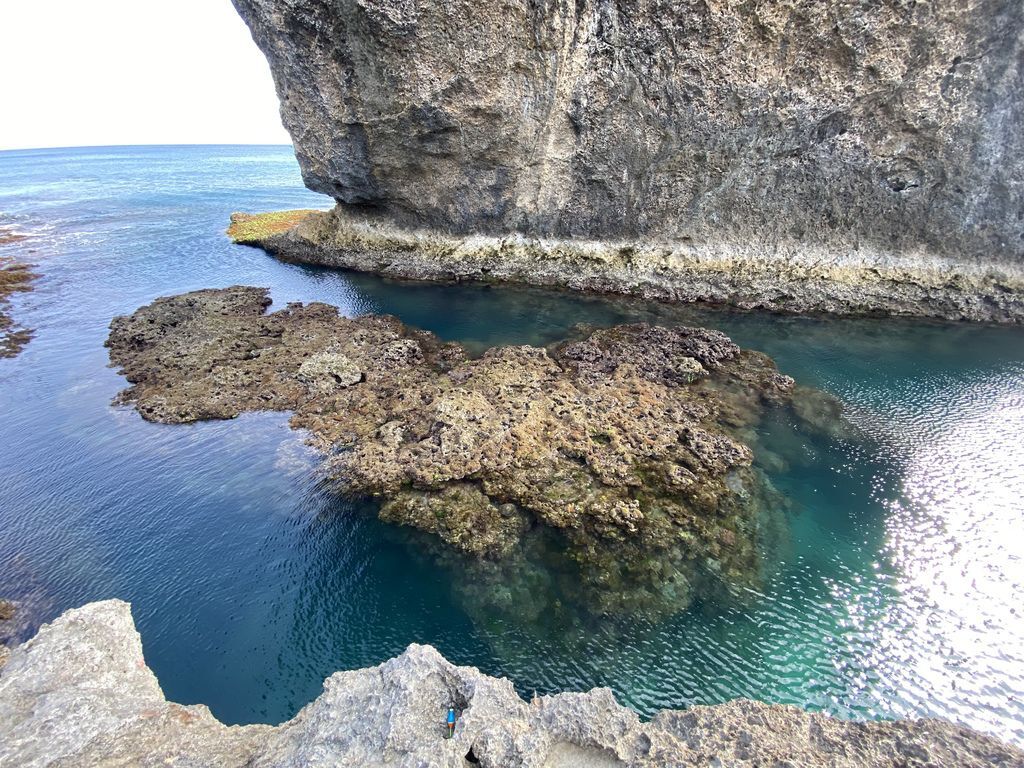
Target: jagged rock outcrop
(790,144)
(80,694)
(624,450)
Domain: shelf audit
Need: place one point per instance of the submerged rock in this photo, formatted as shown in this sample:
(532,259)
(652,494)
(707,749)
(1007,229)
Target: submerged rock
(802,155)
(15,277)
(81,694)
(7,611)
(622,445)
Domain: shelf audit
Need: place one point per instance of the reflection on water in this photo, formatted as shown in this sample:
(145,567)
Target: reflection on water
(953,536)
(251,583)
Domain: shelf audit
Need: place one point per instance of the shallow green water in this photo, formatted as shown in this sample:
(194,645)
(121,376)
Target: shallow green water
(250,583)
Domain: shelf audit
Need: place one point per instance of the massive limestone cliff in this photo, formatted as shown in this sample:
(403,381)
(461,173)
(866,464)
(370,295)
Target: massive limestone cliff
(80,694)
(795,154)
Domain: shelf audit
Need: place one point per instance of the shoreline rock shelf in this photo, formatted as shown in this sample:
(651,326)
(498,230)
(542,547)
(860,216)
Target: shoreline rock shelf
(792,278)
(620,450)
(86,672)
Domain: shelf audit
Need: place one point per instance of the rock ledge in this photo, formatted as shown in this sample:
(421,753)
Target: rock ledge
(780,276)
(80,694)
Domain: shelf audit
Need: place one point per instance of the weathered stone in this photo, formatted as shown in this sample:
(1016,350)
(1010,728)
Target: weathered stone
(328,371)
(795,278)
(80,694)
(623,443)
(799,154)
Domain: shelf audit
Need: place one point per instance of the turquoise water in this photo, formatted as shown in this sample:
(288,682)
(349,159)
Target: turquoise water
(898,596)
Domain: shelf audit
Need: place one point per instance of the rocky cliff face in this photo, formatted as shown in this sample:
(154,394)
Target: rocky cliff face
(890,127)
(80,694)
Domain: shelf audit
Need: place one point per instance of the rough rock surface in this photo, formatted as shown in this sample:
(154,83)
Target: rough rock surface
(780,137)
(80,694)
(625,445)
(752,275)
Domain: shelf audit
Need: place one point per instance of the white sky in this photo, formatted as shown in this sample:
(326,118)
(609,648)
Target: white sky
(92,72)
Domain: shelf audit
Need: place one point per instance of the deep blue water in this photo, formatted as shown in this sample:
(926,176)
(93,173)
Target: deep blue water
(250,584)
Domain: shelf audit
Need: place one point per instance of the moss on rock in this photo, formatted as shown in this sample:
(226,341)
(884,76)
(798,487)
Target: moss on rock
(254,228)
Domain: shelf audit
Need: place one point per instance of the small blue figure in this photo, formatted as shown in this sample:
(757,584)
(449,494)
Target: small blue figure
(451,722)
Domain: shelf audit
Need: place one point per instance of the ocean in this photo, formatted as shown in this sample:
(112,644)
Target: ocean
(250,582)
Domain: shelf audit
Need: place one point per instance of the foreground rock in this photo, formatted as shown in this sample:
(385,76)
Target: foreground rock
(622,451)
(80,694)
(756,154)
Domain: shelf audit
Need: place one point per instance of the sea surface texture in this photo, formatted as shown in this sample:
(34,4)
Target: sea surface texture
(898,594)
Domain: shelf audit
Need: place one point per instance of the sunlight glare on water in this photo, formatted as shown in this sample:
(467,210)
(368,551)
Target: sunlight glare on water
(954,536)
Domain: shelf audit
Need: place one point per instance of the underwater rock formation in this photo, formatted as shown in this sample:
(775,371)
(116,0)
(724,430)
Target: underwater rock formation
(15,277)
(7,612)
(751,153)
(623,445)
(81,694)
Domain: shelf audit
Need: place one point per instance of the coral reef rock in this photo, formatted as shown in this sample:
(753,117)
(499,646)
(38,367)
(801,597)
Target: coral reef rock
(798,154)
(80,694)
(624,447)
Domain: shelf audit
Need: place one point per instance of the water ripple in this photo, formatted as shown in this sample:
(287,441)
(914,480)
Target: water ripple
(250,582)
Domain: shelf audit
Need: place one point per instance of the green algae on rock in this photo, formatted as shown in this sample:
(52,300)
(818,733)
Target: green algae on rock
(622,444)
(7,611)
(252,229)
